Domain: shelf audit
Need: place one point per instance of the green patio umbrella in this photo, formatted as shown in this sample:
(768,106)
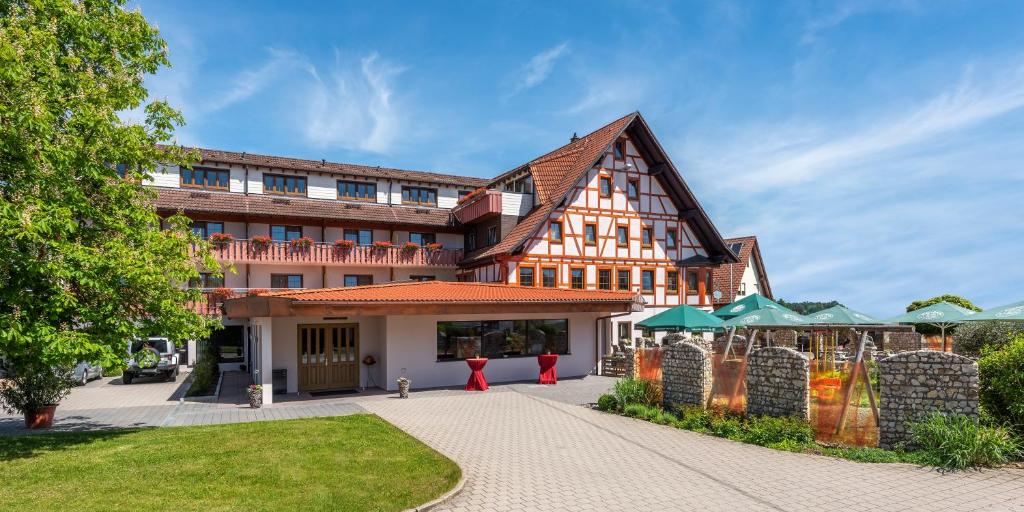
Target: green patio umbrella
(1011,312)
(941,314)
(768,317)
(842,315)
(683,318)
(747,304)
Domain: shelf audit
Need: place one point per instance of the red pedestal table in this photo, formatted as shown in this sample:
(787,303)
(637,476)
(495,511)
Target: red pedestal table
(477,382)
(548,369)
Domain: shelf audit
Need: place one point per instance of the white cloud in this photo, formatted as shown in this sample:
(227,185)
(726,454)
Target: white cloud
(252,81)
(537,70)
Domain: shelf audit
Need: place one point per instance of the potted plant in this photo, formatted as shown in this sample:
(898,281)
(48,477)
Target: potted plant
(410,248)
(302,243)
(255,396)
(468,197)
(221,240)
(403,387)
(382,244)
(434,246)
(344,245)
(35,392)
(260,243)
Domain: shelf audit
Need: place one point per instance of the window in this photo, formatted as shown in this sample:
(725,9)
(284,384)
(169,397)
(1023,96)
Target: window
(735,247)
(525,276)
(646,237)
(622,236)
(604,279)
(205,178)
(633,189)
(357,190)
(708,285)
(625,331)
(203,229)
(419,195)
(691,283)
(286,280)
(605,186)
(647,280)
(492,235)
(619,149)
(471,240)
(590,234)
(280,184)
(358,279)
(670,239)
(358,236)
(422,279)
(556,232)
(577,278)
(743,289)
(549,277)
(422,238)
(672,281)
(501,338)
(623,281)
(207,280)
(285,233)
(122,169)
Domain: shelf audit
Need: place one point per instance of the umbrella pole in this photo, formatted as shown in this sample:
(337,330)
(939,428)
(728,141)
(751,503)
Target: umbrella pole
(943,328)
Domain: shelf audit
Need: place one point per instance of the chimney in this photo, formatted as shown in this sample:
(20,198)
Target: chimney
(574,137)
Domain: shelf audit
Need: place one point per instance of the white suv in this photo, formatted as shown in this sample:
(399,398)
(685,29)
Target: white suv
(151,357)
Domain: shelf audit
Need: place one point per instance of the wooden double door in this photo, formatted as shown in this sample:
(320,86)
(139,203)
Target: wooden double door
(328,356)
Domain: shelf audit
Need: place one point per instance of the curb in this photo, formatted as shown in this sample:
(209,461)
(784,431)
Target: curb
(443,498)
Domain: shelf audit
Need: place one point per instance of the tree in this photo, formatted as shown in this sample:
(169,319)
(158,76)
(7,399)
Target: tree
(86,264)
(808,307)
(931,330)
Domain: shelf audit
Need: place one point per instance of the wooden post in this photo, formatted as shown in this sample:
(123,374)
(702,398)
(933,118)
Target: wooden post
(729,333)
(740,375)
(855,375)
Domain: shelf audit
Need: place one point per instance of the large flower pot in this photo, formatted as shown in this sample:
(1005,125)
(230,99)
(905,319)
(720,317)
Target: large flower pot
(256,399)
(43,418)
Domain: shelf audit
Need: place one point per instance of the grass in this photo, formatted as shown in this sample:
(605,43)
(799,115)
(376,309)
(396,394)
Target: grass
(357,462)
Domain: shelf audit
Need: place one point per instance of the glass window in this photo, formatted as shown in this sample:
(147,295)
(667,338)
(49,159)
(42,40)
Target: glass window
(743,289)
(672,281)
(622,235)
(691,283)
(285,233)
(708,285)
(647,280)
(590,234)
(670,239)
(548,277)
(457,340)
(605,184)
(619,148)
(422,278)
(735,247)
(357,190)
(492,235)
(604,279)
(203,229)
(525,276)
(577,278)
(358,279)
(284,185)
(422,238)
(626,331)
(646,237)
(471,241)
(501,338)
(358,236)
(623,280)
(207,280)
(205,178)
(464,193)
(547,336)
(633,189)
(556,232)
(419,195)
(286,280)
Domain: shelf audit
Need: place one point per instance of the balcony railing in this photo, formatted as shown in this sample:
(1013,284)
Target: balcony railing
(484,204)
(245,251)
(215,297)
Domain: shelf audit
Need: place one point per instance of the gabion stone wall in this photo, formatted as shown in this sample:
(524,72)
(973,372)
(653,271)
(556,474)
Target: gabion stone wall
(915,384)
(778,383)
(630,355)
(784,338)
(901,342)
(685,375)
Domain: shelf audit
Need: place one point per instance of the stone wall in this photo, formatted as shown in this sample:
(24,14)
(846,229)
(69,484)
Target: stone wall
(917,383)
(685,375)
(630,355)
(778,383)
(905,341)
(784,338)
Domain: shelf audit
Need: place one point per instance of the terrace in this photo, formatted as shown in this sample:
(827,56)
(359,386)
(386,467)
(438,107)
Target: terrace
(316,253)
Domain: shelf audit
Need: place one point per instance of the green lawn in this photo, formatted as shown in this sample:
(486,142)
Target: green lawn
(357,462)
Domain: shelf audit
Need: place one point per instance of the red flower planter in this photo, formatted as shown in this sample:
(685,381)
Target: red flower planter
(43,418)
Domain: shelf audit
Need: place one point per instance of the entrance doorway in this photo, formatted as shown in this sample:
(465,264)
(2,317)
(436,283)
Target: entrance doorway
(328,356)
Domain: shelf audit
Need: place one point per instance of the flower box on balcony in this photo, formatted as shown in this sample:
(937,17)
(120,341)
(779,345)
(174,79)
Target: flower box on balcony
(410,248)
(434,246)
(469,197)
(381,244)
(302,243)
(254,292)
(261,243)
(220,240)
(221,294)
(344,245)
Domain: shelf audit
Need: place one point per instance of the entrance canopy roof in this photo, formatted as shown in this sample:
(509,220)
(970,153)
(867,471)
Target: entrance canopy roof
(429,298)
(1012,312)
(683,318)
(747,304)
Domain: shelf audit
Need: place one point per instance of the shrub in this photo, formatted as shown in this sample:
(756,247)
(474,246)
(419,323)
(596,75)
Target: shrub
(634,410)
(769,431)
(971,338)
(30,387)
(959,442)
(1001,384)
(206,372)
(607,403)
(637,391)
(694,418)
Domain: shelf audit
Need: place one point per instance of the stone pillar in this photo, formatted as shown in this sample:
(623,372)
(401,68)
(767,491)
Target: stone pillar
(915,384)
(630,355)
(778,383)
(685,375)
(901,341)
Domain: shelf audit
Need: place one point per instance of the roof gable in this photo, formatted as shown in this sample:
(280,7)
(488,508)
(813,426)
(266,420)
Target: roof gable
(727,278)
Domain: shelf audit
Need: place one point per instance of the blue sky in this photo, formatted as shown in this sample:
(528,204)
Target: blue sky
(875,148)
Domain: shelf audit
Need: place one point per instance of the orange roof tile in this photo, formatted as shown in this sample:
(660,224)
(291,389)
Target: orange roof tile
(453,292)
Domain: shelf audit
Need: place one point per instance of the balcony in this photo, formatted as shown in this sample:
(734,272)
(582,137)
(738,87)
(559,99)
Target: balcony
(244,251)
(214,298)
(478,206)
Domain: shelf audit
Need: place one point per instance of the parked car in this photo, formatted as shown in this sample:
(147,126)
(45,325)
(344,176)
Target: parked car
(152,357)
(86,371)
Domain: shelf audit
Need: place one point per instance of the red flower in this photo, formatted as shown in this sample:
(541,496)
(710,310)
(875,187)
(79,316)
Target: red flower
(344,244)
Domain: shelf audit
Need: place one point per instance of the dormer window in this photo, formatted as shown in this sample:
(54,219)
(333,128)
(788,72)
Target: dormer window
(419,196)
(619,149)
(279,184)
(357,191)
(217,179)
